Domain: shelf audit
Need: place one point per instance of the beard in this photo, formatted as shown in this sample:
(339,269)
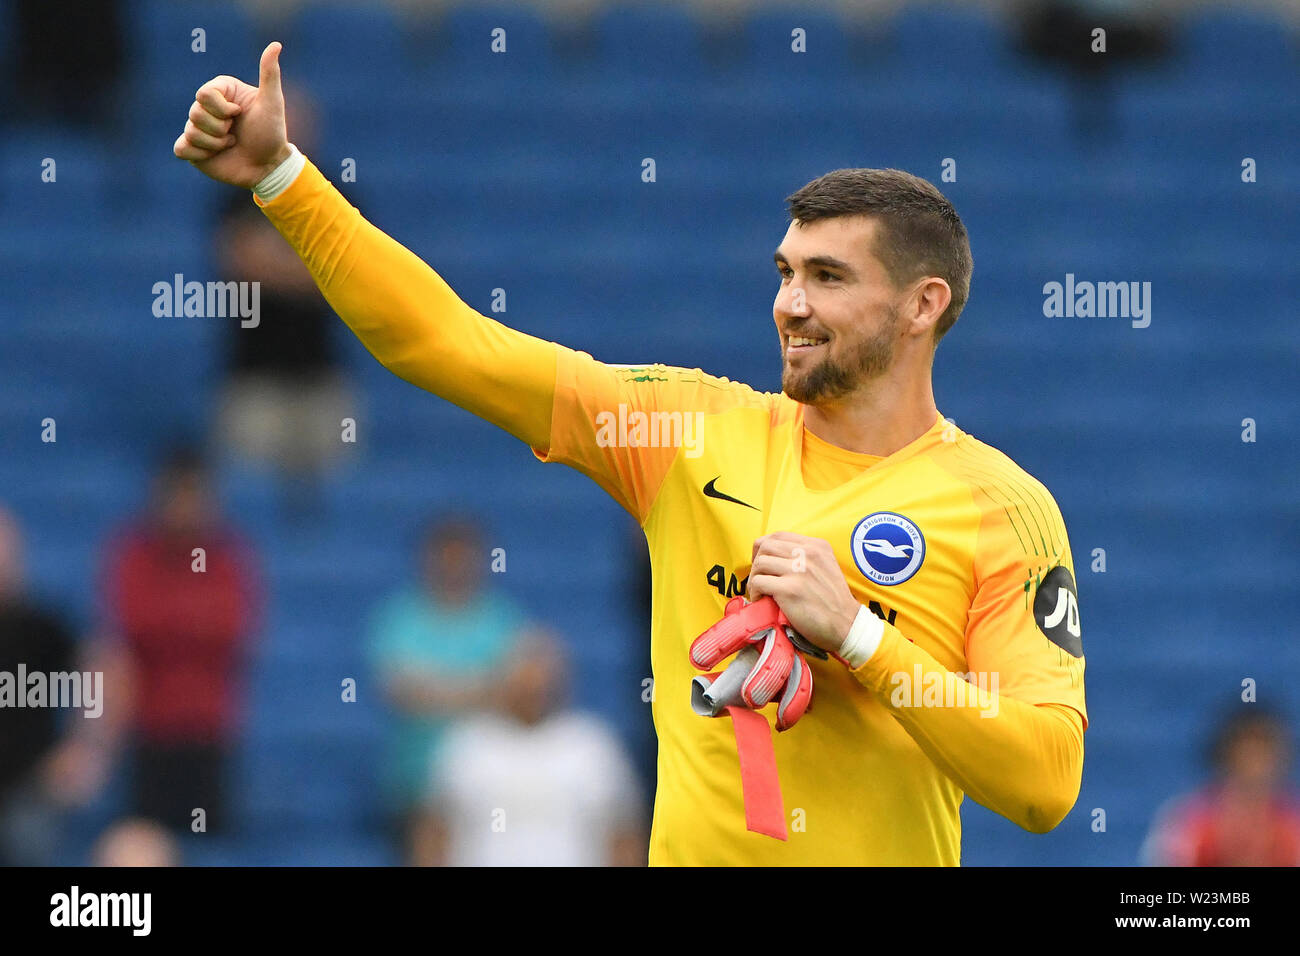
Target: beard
(834,377)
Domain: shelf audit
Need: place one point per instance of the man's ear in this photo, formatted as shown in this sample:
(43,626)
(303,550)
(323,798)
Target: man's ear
(929,299)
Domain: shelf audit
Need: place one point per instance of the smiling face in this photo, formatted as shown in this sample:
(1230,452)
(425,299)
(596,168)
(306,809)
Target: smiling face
(836,311)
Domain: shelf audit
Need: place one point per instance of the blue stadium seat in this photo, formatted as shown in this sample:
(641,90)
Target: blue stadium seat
(831,46)
(345,52)
(1242,45)
(654,42)
(487,43)
(161,38)
(947,42)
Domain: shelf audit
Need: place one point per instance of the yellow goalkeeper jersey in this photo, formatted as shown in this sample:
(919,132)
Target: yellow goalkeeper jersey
(947,540)
(977,685)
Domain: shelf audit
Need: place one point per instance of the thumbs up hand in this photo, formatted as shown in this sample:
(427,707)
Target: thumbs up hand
(235,133)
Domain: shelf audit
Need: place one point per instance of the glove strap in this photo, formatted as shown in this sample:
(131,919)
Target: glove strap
(764,808)
(760,784)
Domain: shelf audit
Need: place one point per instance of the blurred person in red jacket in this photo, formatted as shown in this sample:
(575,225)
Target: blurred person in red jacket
(182,596)
(1248,816)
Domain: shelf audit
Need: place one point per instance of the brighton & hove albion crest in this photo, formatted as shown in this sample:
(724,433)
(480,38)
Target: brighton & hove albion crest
(887,547)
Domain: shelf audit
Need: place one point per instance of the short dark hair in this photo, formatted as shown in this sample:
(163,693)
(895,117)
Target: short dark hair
(181,461)
(920,231)
(451,528)
(1256,720)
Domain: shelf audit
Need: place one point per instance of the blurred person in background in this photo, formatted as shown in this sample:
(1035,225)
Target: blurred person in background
(50,760)
(183,622)
(69,59)
(533,783)
(1060,32)
(1249,815)
(435,649)
(285,393)
(135,842)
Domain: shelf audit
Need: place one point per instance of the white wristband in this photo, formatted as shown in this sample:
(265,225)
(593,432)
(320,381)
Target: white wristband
(863,638)
(282,177)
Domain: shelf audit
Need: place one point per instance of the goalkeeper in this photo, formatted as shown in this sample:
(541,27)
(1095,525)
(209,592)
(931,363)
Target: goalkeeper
(935,572)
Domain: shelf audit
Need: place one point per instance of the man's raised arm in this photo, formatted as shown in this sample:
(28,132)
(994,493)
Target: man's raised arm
(399,308)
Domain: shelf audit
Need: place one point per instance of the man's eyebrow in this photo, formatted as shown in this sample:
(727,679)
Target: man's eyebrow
(826,262)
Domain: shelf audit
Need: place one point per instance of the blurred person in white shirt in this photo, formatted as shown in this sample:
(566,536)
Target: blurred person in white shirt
(533,783)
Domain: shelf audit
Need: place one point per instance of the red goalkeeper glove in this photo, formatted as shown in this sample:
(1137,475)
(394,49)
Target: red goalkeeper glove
(766,666)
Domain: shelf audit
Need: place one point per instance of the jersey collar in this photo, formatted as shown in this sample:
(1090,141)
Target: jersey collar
(931,438)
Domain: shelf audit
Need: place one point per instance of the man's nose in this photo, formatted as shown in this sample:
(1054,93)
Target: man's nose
(792,301)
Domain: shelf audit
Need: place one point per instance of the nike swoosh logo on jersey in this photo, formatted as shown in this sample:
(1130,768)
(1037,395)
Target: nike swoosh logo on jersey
(712,492)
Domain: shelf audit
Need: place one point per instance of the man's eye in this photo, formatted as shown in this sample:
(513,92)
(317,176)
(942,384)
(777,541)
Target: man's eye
(827,276)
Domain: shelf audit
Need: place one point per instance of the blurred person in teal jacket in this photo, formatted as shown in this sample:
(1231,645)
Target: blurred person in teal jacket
(434,649)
